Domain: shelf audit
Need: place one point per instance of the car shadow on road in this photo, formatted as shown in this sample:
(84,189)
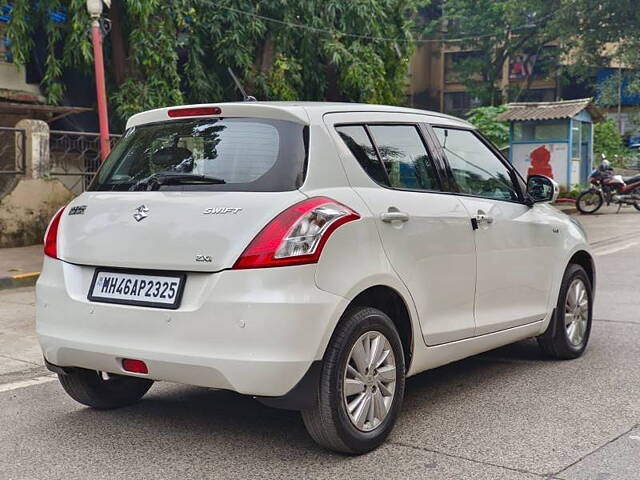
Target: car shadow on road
(183,419)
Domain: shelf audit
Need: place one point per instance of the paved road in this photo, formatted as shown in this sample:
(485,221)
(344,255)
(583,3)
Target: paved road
(507,414)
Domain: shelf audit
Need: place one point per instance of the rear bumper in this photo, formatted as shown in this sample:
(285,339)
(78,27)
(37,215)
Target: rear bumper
(256,332)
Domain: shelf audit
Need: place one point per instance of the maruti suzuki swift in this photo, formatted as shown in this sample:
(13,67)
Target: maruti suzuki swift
(310,255)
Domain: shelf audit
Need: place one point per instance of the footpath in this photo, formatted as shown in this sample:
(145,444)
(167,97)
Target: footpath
(20,267)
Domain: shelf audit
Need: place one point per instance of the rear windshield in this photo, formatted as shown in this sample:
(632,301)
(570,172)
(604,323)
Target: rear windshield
(225,154)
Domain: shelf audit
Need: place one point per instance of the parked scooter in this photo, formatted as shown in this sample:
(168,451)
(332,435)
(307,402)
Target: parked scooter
(610,188)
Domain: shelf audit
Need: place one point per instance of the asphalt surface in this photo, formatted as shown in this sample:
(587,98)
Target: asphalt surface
(506,414)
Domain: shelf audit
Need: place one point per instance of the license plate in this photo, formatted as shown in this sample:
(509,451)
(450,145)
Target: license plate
(162,290)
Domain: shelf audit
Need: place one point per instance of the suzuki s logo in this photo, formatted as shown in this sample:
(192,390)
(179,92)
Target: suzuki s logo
(141,213)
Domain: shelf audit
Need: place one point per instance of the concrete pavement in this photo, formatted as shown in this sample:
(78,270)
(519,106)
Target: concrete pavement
(20,266)
(506,414)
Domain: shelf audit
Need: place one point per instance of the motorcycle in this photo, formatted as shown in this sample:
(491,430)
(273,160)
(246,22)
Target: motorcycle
(609,188)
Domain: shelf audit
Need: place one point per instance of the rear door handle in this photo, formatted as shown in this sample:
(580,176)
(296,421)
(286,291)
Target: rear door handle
(394,216)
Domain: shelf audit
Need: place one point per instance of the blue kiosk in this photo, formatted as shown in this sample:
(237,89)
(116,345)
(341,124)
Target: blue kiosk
(553,139)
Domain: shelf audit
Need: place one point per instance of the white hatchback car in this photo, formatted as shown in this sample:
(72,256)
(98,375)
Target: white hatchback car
(312,255)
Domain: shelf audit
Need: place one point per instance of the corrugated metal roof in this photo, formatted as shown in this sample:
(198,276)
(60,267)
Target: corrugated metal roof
(522,112)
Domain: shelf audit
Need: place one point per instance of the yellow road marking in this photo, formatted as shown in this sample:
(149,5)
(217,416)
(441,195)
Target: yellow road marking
(20,276)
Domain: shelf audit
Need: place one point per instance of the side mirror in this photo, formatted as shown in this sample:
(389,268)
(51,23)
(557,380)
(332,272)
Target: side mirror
(542,189)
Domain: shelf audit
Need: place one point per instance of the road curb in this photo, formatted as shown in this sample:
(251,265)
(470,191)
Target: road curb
(19,280)
(568,209)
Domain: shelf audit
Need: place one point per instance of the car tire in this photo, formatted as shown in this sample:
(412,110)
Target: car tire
(335,422)
(568,332)
(90,388)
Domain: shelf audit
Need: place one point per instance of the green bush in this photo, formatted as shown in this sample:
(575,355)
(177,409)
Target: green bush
(608,141)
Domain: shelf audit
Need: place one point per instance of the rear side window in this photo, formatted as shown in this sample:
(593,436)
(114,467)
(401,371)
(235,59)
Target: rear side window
(396,158)
(228,154)
(356,138)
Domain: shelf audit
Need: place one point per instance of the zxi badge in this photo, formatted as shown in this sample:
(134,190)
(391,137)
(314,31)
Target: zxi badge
(78,210)
(141,213)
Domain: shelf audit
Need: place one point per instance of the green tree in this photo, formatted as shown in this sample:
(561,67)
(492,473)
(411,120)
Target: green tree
(599,33)
(608,141)
(603,34)
(492,31)
(485,119)
(172,51)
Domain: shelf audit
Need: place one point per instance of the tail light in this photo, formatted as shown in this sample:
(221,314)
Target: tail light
(51,236)
(297,235)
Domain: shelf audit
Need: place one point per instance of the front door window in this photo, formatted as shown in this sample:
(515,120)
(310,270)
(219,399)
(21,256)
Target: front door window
(476,169)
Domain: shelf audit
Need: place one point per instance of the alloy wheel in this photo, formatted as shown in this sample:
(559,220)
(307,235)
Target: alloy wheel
(369,381)
(576,312)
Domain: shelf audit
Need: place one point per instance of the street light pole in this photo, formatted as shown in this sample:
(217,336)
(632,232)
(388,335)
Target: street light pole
(94,7)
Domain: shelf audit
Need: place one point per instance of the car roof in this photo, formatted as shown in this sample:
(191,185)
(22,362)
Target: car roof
(299,112)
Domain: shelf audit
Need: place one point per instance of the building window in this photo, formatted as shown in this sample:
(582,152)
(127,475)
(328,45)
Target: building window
(528,132)
(536,64)
(533,95)
(459,103)
(452,64)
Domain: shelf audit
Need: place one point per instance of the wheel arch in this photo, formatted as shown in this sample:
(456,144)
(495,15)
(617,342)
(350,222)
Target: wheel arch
(383,297)
(585,260)
(391,302)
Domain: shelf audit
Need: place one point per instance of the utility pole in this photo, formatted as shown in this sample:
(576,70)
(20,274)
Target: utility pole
(620,100)
(94,7)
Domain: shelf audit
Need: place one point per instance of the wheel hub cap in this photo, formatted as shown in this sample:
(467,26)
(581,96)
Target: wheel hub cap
(369,381)
(576,312)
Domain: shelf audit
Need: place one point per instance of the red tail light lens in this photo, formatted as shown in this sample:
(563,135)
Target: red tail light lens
(51,236)
(296,236)
(194,111)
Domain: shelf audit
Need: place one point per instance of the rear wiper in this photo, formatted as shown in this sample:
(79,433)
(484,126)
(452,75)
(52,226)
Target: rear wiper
(156,180)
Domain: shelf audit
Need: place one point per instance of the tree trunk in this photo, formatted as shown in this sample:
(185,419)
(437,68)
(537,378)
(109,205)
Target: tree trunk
(266,55)
(333,90)
(118,52)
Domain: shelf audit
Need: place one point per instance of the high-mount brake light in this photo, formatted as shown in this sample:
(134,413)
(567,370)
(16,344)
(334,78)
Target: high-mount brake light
(297,235)
(194,111)
(51,236)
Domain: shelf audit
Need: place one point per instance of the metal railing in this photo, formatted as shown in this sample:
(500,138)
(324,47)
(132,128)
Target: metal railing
(13,148)
(75,157)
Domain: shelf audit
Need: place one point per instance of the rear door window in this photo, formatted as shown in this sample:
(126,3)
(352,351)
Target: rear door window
(405,157)
(232,154)
(392,155)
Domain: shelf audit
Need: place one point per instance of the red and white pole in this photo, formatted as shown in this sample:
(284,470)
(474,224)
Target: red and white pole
(95,9)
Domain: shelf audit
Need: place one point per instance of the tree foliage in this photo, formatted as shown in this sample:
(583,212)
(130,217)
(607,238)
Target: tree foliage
(587,34)
(494,30)
(485,119)
(608,141)
(599,33)
(171,51)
